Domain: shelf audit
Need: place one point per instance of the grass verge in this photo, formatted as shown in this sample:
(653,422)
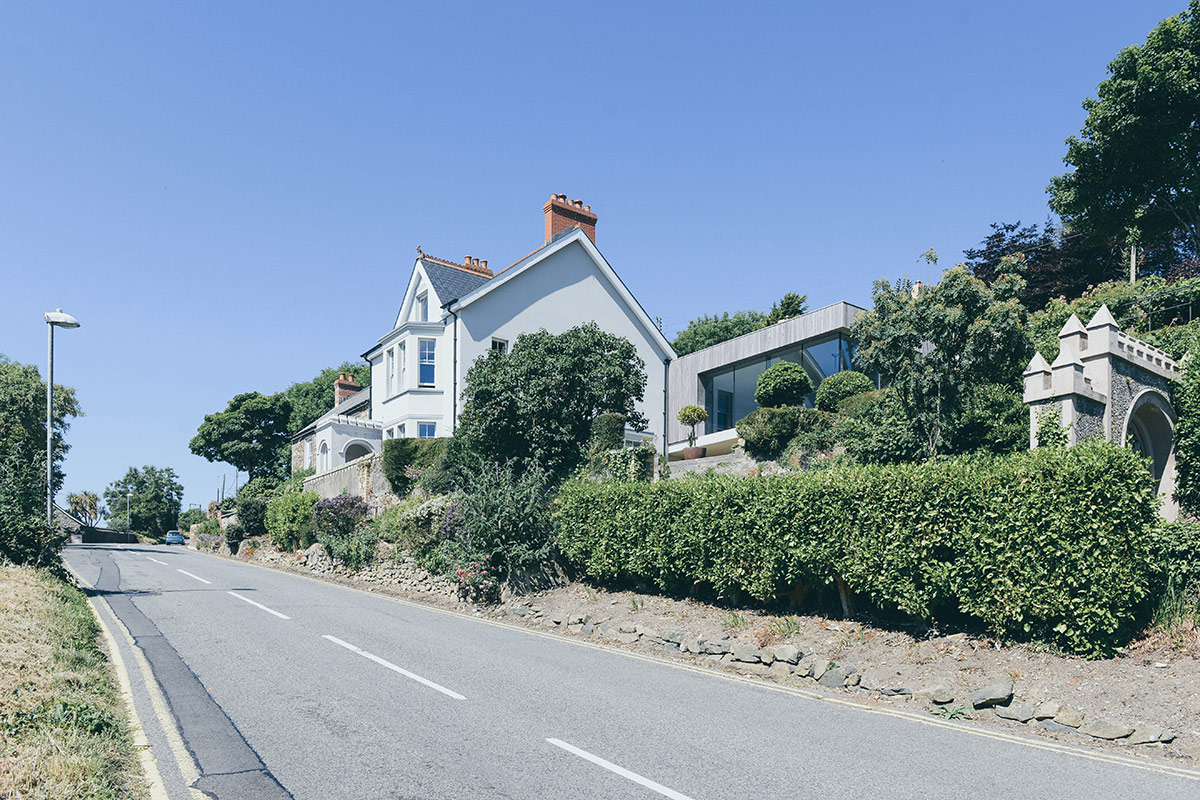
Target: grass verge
(62,719)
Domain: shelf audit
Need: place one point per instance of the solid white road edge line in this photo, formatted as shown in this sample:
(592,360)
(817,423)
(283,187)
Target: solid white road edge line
(259,605)
(624,773)
(156,561)
(190,575)
(394,668)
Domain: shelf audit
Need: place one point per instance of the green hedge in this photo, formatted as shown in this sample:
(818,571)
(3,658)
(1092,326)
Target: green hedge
(289,520)
(1050,545)
(400,454)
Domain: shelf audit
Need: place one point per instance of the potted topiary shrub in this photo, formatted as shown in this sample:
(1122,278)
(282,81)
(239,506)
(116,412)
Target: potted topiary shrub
(692,416)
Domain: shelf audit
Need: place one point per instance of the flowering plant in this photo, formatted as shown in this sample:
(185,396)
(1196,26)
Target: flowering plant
(477,583)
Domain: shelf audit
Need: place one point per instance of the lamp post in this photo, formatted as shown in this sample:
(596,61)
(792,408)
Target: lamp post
(54,319)
(128,521)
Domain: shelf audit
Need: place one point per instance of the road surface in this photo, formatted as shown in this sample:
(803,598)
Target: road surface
(253,683)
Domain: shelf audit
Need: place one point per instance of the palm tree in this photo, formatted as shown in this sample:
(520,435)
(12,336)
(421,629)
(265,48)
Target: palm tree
(85,506)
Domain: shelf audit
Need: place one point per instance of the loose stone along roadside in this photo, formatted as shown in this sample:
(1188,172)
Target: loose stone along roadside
(997,699)
(788,663)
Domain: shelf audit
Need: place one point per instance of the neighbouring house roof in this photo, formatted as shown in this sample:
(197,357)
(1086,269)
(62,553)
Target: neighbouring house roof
(565,239)
(451,281)
(354,402)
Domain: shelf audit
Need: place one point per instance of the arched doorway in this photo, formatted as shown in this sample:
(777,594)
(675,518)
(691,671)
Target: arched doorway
(323,460)
(1150,431)
(356,450)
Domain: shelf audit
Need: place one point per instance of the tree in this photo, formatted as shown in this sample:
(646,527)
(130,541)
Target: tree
(705,331)
(193,516)
(249,434)
(25,535)
(311,399)
(691,415)
(790,305)
(535,404)
(783,384)
(85,506)
(938,345)
(156,499)
(1136,162)
(1053,262)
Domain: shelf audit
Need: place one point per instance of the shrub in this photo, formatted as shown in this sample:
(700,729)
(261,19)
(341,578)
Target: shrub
(608,433)
(355,549)
(339,516)
(477,582)
(295,483)
(1175,553)
(837,387)
(505,518)
(252,514)
(404,459)
(262,486)
(289,520)
(784,384)
(626,464)
(813,440)
(209,536)
(416,525)
(234,533)
(874,430)
(1048,545)
(767,431)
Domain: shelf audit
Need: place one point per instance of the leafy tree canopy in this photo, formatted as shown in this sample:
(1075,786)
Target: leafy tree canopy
(706,331)
(25,536)
(536,403)
(1136,162)
(1053,263)
(250,434)
(937,345)
(311,399)
(193,516)
(790,305)
(154,506)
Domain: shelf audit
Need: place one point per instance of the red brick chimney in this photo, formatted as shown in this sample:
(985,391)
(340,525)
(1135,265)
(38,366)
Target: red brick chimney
(343,387)
(563,214)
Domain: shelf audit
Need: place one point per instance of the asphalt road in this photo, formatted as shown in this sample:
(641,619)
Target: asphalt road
(269,685)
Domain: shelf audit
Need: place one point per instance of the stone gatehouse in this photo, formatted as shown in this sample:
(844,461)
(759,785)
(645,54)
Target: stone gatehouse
(1107,384)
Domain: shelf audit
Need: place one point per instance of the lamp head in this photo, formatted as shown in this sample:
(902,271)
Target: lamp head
(61,320)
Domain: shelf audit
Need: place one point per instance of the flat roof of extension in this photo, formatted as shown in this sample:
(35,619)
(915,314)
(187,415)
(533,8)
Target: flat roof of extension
(833,318)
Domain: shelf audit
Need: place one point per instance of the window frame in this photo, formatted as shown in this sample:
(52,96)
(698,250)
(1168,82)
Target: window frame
(427,347)
(421,430)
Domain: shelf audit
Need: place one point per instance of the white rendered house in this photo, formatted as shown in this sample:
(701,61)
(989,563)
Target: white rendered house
(453,313)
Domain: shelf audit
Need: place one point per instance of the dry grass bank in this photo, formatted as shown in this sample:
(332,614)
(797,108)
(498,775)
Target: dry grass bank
(63,725)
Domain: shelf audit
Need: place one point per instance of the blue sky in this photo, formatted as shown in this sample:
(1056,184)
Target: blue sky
(229,195)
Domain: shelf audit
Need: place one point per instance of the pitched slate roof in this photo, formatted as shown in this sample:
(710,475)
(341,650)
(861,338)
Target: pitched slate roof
(449,282)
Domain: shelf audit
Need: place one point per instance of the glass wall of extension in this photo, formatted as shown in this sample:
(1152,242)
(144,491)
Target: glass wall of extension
(729,391)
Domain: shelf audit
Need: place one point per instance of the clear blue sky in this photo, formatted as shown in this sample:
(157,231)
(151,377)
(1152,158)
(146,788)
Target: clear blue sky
(229,195)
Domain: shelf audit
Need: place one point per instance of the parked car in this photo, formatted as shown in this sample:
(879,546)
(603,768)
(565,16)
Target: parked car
(174,537)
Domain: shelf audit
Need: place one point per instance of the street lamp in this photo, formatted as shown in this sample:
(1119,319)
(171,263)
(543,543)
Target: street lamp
(128,521)
(54,319)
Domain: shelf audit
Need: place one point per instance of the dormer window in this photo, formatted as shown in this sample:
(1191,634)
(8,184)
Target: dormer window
(423,308)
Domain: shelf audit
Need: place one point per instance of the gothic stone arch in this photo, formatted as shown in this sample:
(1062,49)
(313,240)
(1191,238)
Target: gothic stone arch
(1107,384)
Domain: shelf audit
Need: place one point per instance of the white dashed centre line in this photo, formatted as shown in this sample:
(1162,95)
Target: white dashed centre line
(624,773)
(259,605)
(394,668)
(156,561)
(190,575)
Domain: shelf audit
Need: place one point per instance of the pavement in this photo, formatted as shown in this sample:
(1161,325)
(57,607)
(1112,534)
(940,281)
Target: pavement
(253,683)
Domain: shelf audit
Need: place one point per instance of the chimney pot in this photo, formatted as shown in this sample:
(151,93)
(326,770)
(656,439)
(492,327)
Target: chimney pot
(563,214)
(466,261)
(483,263)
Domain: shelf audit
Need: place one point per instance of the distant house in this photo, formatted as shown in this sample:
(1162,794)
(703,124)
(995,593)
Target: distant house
(344,433)
(451,314)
